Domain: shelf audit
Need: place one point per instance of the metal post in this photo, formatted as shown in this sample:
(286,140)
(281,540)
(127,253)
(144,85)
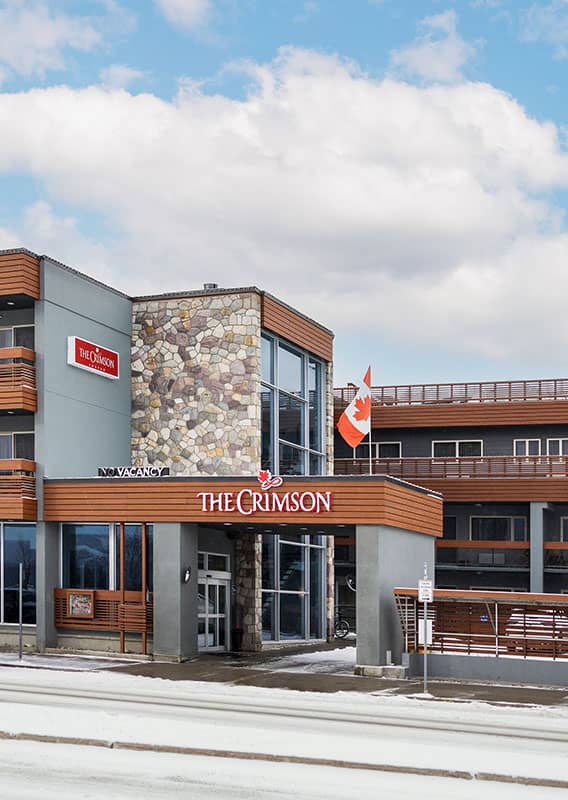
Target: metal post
(425,636)
(20,609)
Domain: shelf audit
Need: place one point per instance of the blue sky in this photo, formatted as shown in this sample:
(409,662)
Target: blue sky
(395,168)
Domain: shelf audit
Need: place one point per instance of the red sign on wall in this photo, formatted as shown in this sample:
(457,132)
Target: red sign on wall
(92,357)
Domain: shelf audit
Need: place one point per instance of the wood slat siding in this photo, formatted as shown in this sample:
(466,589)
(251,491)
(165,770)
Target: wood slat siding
(530,412)
(500,490)
(283,321)
(363,502)
(19,274)
(20,398)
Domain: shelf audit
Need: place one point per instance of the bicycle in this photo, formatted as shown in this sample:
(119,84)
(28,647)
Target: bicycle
(340,624)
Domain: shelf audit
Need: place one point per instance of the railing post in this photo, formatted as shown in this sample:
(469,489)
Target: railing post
(496,628)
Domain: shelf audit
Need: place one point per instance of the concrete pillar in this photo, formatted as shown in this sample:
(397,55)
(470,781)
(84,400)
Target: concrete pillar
(175,602)
(386,557)
(47,579)
(537,546)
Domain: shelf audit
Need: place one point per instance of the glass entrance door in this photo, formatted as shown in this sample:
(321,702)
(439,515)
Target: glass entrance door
(213,614)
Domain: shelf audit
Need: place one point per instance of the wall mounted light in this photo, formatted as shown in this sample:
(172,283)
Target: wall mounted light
(186,575)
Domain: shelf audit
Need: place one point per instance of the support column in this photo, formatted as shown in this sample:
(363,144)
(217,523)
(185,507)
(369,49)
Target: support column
(47,579)
(537,546)
(330,594)
(247,580)
(386,557)
(175,602)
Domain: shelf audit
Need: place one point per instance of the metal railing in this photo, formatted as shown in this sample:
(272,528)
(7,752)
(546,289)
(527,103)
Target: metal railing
(488,623)
(482,555)
(474,392)
(464,467)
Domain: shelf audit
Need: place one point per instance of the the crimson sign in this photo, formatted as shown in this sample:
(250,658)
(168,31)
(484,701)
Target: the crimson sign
(248,502)
(92,357)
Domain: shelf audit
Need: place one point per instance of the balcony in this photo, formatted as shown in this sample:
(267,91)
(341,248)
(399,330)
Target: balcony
(17,489)
(556,556)
(480,403)
(455,554)
(19,278)
(17,380)
(491,478)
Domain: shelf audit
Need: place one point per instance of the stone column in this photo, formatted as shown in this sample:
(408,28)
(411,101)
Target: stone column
(537,546)
(47,579)
(386,557)
(330,593)
(175,602)
(248,585)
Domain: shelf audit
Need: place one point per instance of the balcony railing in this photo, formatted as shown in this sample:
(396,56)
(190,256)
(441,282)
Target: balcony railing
(17,379)
(476,392)
(17,489)
(556,555)
(484,555)
(464,467)
(487,623)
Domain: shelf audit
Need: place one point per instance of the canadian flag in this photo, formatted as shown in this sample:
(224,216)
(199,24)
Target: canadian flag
(355,422)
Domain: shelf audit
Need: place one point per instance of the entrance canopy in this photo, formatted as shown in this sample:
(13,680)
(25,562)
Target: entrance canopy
(329,501)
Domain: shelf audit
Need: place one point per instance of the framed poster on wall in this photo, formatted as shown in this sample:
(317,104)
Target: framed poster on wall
(81,604)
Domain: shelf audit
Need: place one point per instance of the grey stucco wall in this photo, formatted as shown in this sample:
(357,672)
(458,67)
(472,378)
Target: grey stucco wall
(175,602)
(486,668)
(83,419)
(386,557)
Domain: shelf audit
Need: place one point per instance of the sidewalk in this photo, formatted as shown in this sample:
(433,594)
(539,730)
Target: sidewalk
(325,668)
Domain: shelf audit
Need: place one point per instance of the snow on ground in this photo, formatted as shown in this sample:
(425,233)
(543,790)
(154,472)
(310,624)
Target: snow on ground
(32,770)
(62,662)
(340,661)
(351,726)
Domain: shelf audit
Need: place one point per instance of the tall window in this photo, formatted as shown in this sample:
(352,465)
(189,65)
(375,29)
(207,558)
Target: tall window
(17,336)
(293,587)
(292,409)
(91,556)
(18,542)
(17,445)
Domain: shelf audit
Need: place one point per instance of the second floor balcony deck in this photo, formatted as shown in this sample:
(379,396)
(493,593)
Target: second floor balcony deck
(17,380)
(521,402)
(491,478)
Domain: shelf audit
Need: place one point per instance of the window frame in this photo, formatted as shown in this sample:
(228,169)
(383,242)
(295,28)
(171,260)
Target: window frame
(555,439)
(510,517)
(457,443)
(277,443)
(13,434)
(538,455)
(15,523)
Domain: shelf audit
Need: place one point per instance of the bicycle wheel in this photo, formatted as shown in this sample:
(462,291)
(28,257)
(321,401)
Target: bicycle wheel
(341,628)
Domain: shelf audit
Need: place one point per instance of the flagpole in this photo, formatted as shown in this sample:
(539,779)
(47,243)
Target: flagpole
(370,425)
(370,453)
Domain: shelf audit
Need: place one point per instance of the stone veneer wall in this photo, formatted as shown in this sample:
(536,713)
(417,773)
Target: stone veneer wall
(248,583)
(195,384)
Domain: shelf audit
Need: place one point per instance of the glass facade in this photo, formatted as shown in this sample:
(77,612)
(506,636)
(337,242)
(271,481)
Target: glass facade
(18,546)
(292,409)
(293,587)
(91,556)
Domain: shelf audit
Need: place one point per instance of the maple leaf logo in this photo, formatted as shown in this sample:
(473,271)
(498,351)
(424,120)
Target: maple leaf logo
(267,481)
(363,408)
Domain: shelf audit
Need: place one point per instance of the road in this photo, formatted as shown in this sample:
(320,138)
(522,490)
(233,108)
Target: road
(222,741)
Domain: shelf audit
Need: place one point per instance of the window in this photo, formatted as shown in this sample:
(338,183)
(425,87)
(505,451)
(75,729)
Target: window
(213,562)
(564,529)
(498,529)
(17,546)
(450,528)
(379,450)
(557,447)
(293,587)
(18,336)
(292,409)
(526,447)
(455,449)
(17,445)
(90,556)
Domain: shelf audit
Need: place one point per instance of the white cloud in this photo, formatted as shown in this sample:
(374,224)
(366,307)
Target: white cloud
(438,54)
(378,207)
(547,23)
(119,76)
(33,38)
(188,14)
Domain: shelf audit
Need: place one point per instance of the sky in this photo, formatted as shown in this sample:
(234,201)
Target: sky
(396,169)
